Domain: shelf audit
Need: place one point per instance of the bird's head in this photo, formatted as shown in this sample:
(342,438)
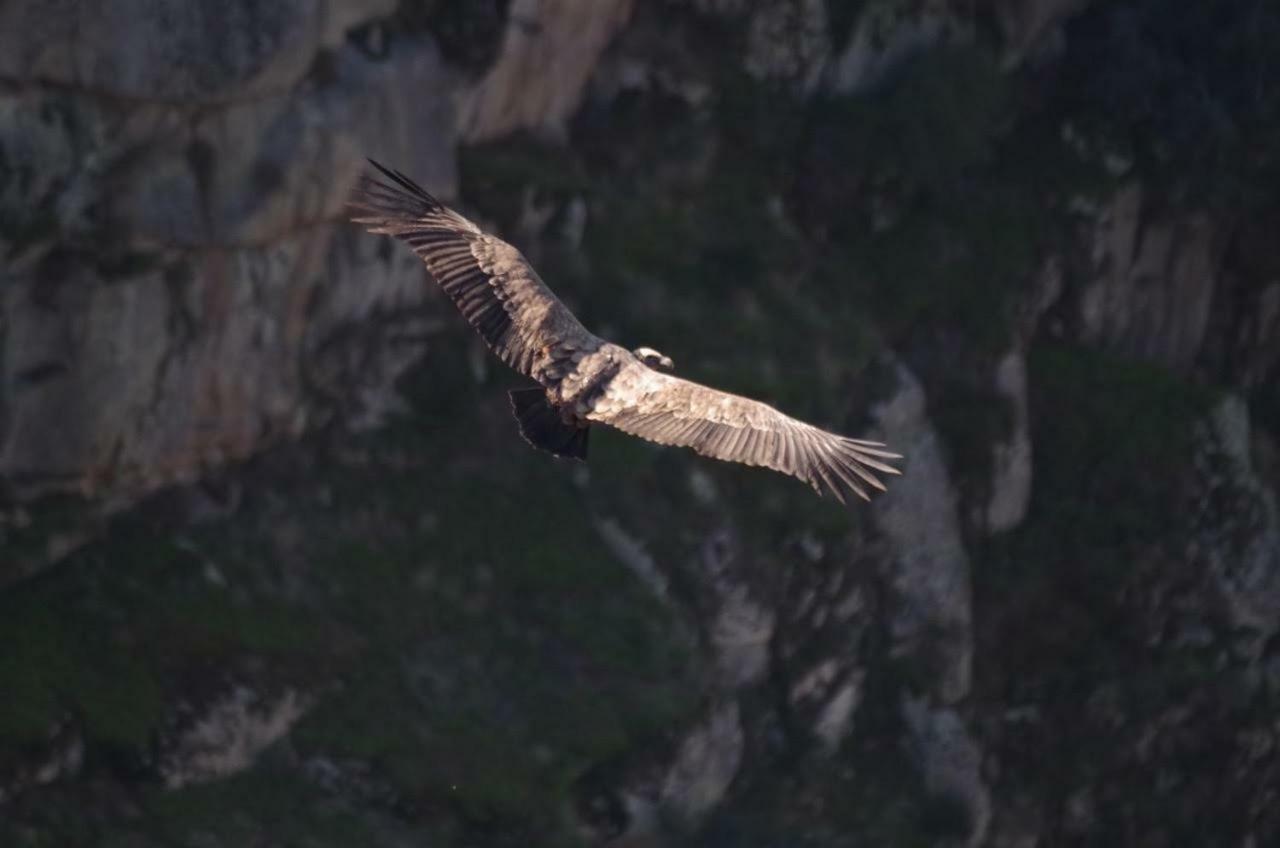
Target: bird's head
(654,360)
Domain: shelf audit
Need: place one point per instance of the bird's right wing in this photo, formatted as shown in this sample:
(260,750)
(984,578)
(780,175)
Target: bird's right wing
(672,411)
(490,282)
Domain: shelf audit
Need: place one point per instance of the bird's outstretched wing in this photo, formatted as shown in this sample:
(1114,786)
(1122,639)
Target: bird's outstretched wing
(672,411)
(490,282)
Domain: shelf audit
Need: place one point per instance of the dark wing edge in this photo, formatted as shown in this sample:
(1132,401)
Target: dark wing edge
(491,283)
(672,411)
(402,201)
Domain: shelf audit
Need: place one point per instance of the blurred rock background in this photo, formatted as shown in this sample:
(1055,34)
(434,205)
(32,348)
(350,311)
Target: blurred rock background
(276,570)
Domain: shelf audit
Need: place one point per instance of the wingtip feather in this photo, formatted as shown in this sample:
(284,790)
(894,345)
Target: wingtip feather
(848,471)
(878,466)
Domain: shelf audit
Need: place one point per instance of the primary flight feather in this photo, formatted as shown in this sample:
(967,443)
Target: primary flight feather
(585,380)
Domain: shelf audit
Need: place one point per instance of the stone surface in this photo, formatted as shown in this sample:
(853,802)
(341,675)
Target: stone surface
(1027,23)
(891,32)
(1237,531)
(253,171)
(705,764)
(927,573)
(1156,275)
(951,763)
(789,41)
(210,267)
(1011,473)
(173,51)
(548,53)
(139,405)
(228,736)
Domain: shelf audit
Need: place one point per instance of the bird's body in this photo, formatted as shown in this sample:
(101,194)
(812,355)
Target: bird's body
(584,380)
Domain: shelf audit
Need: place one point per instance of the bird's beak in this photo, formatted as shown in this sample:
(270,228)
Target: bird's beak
(667,364)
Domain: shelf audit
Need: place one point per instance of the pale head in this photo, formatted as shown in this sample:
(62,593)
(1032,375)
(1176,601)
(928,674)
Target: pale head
(654,360)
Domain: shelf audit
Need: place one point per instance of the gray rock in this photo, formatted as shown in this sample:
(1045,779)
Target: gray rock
(888,33)
(1011,465)
(841,695)
(927,569)
(951,762)
(742,625)
(548,54)
(60,757)
(81,362)
(788,41)
(631,552)
(228,735)
(171,50)
(202,325)
(1237,528)
(1027,23)
(56,151)
(1154,283)
(255,171)
(740,634)
(705,765)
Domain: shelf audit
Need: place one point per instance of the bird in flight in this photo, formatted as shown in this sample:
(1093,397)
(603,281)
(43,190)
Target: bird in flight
(584,380)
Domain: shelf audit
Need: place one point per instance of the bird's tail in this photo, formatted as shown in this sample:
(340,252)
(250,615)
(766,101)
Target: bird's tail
(542,426)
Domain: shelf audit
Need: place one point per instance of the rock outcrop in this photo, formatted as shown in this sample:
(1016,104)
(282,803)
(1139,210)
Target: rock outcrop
(190,269)
(549,51)
(1155,281)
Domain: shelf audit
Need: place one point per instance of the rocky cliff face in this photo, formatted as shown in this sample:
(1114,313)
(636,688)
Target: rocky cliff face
(267,541)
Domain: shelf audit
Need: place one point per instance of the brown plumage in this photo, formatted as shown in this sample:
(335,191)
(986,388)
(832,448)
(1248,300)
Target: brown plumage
(584,380)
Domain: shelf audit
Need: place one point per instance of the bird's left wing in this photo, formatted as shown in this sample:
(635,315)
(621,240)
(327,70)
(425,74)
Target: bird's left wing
(490,282)
(672,411)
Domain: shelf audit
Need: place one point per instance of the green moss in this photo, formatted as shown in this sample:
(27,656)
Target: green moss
(538,654)
(935,121)
(241,809)
(34,657)
(1114,441)
(1112,431)
(52,820)
(478,647)
(27,547)
(1076,607)
(867,789)
(213,624)
(57,664)
(485,662)
(496,175)
(971,421)
(51,668)
(102,637)
(954,260)
(939,207)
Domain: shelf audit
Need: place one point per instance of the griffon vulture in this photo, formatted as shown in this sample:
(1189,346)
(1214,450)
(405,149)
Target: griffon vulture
(585,380)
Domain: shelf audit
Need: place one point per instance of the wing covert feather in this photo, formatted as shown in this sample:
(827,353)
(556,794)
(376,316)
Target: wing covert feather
(672,411)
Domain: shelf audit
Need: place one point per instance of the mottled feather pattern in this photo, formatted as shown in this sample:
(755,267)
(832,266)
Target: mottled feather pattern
(672,411)
(592,381)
